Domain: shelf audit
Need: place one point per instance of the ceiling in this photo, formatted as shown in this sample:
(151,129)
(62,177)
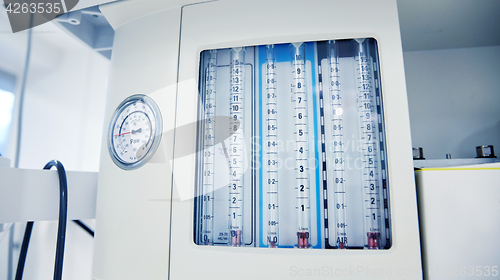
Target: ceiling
(445,24)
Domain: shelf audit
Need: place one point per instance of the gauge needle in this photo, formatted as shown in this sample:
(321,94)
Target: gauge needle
(121,134)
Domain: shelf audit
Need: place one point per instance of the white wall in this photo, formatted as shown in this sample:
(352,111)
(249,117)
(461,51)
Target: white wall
(63,119)
(64,111)
(454,100)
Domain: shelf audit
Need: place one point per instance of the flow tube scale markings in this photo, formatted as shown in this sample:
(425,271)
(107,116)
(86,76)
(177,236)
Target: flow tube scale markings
(338,160)
(368,130)
(316,175)
(209,149)
(272,147)
(236,109)
(299,97)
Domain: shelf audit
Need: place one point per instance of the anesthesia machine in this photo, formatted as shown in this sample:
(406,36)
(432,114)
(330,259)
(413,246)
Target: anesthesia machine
(256,139)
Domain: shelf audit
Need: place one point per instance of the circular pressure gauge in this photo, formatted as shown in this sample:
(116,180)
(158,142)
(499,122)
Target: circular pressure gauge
(134,132)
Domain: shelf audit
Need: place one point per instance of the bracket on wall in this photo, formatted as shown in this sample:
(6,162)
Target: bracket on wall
(90,27)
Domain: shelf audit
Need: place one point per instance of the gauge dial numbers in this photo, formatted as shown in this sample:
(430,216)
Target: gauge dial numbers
(134,132)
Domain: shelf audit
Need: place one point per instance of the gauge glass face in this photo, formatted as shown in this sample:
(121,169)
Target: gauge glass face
(133,132)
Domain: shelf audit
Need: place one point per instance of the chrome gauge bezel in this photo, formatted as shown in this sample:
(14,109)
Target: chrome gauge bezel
(155,137)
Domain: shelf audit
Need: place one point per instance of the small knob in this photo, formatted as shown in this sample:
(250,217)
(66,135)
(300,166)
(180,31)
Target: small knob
(418,153)
(485,151)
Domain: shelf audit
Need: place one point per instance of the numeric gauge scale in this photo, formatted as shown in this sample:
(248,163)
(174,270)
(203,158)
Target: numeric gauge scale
(310,118)
(134,132)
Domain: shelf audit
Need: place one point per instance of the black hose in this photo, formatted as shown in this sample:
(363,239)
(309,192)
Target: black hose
(63,216)
(24,251)
(86,228)
(61,230)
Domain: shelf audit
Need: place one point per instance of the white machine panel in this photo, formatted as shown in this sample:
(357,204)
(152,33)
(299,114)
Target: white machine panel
(33,195)
(133,206)
(459,210)
(218,228)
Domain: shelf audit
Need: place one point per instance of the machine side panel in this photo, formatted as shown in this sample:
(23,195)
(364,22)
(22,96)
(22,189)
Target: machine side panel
(459,205)
(230,24)
(133,207)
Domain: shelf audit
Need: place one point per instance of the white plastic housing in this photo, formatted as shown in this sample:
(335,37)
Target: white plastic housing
(459,212)
(272,22)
